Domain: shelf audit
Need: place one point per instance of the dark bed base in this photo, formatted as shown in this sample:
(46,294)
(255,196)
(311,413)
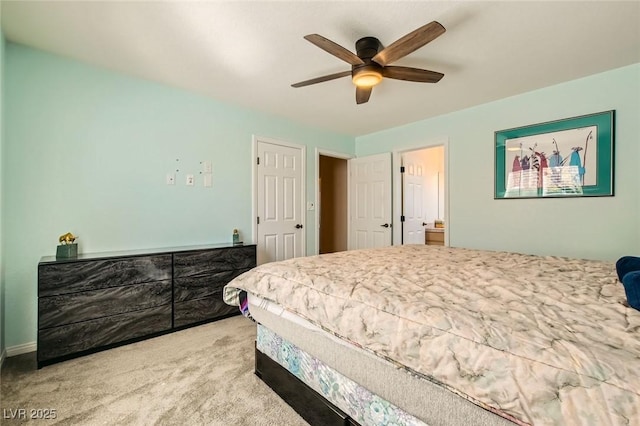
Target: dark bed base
(311,406)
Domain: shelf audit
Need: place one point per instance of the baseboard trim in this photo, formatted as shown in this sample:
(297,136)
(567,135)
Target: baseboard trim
(3,355)
(21,349)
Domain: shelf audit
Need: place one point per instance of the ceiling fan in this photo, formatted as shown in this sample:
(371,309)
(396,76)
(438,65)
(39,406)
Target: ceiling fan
(372,61)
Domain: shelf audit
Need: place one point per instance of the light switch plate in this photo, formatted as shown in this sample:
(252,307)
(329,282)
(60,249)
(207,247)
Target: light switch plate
(190,180)
(171,179)
(207,167)
(208,180)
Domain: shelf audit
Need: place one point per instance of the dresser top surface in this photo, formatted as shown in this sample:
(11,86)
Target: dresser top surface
(140,252)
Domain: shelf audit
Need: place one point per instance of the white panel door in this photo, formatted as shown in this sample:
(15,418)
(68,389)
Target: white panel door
(413,188)
(280,202)
(370,201)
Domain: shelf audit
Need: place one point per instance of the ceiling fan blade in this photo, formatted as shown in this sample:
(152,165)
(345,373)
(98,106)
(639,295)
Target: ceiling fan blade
(321,79)
(412,74)
(409,43)
(334,48)
(363,94)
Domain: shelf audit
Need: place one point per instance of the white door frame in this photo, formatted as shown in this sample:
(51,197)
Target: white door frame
(327,153)
(397,188)
(254,185)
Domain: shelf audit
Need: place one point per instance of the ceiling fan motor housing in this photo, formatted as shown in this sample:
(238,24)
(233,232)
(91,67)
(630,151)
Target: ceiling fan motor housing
(367,48)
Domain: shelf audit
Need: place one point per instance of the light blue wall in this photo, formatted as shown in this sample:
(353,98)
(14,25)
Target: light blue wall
(87,151)
(594,228)
(2,304)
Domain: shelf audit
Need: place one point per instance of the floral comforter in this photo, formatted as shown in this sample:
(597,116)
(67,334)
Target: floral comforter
(538,340)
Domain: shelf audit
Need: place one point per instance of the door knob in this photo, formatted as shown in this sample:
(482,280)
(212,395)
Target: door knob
(424,224)
(386,225)
(298,226)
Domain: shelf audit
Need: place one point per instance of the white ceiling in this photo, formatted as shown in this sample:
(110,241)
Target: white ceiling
(248,53)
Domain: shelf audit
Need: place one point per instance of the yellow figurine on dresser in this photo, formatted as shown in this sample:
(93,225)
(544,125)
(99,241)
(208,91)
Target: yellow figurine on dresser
(68,247)
(67,238)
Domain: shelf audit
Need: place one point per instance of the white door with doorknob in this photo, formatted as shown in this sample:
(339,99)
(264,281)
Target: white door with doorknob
(280,198)
(413,189)
(370,201)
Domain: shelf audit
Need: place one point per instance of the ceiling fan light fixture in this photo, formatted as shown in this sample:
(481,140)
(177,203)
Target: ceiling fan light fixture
(367,78)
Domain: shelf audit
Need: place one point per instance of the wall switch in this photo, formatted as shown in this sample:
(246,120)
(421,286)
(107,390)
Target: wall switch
(190,180)
(171,179)
(208,180)
(207,167)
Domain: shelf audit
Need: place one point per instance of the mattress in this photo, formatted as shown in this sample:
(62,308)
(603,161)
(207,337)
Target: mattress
(382,383)
(537,340)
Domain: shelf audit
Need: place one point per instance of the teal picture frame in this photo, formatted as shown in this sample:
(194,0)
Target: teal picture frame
(572,157)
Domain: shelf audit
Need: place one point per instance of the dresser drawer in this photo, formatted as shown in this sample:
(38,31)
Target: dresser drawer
(70,308)
(69,339)
(196,287)
(211,261)
(71,277)
(197,310)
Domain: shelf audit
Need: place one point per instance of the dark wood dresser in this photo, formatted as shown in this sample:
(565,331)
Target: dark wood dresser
(98,301)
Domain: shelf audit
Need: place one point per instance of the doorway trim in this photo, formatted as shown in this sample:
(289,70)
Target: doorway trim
(397,188)
(254,185)
(316,182)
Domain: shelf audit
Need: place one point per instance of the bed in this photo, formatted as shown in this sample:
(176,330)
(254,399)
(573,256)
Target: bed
(436,335)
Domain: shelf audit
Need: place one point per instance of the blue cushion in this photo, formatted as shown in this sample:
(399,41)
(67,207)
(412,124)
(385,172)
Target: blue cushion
(631,283)
(627,264)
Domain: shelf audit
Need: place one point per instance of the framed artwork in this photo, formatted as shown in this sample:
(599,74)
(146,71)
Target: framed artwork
(565,158)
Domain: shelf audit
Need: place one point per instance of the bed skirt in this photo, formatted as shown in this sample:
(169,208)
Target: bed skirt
(424,401)
(359,404)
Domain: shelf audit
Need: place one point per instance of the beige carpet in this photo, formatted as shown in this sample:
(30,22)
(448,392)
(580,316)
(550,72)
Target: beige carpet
(199,376)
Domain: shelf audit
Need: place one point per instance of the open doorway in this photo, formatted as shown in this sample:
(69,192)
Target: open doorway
(332,204)
(421,196)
